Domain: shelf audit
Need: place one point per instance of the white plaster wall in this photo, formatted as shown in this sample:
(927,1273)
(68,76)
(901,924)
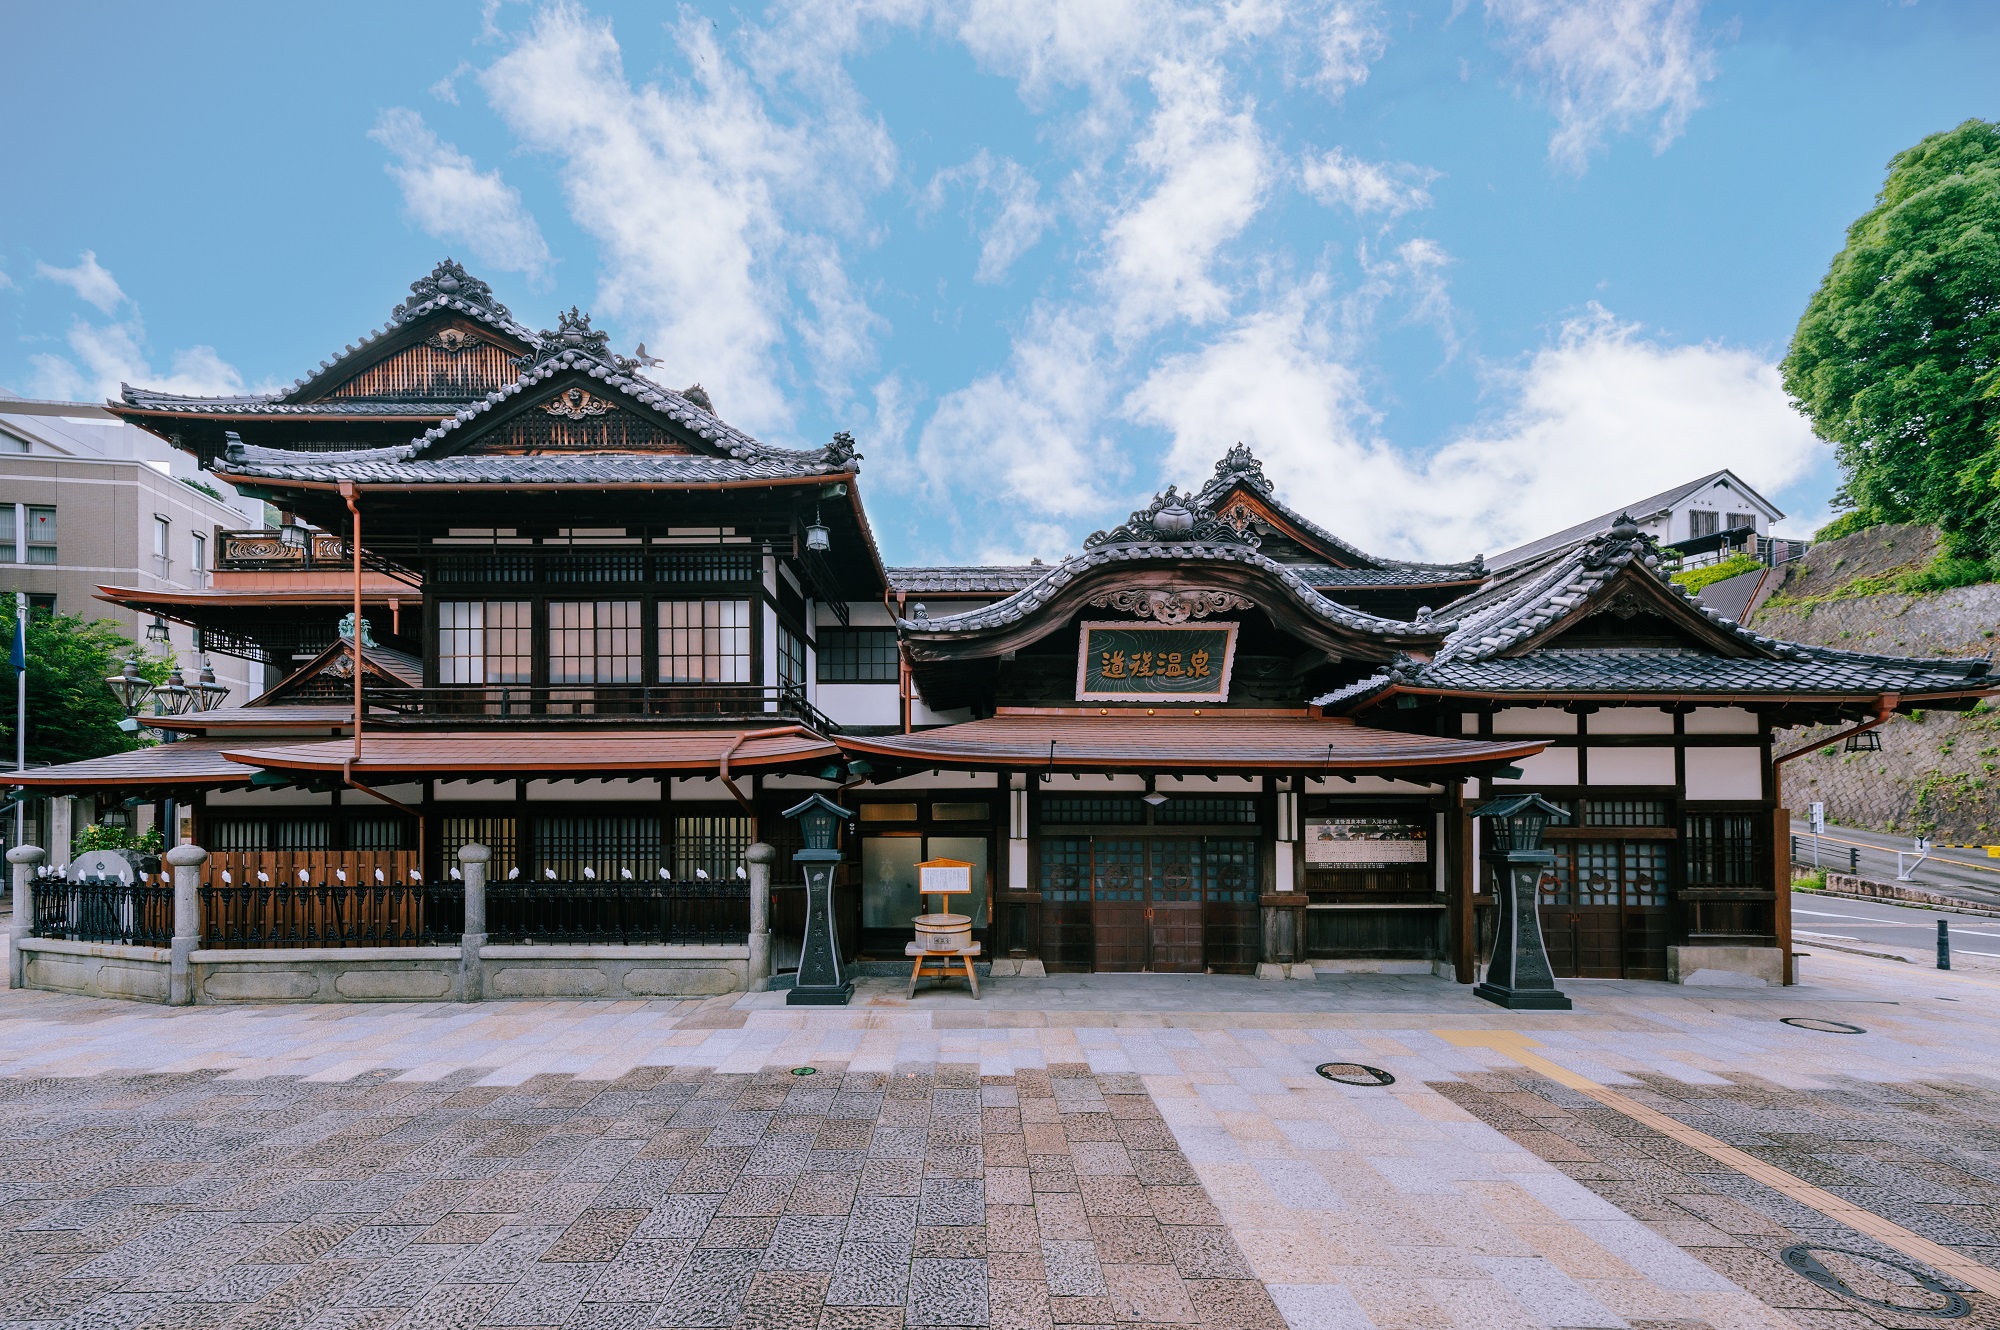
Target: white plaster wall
(1725,773)
(1721,720)
(1631,720)
(1551,766)
(860,703)
(1533,720)
(1631,766)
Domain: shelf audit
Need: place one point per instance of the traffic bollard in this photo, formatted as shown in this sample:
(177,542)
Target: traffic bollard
(1944,946)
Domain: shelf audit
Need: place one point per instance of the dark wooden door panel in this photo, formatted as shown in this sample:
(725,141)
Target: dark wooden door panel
(1066,936)
(1559,935)
(1645,942)
(1120,942)
(1232,937)
(1174,937)
(1599,942)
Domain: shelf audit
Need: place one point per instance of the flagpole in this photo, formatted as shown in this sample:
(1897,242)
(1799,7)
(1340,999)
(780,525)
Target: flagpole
(20,710)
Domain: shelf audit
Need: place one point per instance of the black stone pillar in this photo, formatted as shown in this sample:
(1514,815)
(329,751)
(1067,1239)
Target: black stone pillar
(820,982)
(1519,976)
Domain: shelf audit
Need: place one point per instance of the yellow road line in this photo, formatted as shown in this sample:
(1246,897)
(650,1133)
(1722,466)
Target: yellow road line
(1514,1045)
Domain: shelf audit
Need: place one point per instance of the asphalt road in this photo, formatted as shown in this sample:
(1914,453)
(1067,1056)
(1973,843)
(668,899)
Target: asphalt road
(1966,873)
(1897,928)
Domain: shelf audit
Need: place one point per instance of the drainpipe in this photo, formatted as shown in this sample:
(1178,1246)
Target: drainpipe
(347,492)
(738,742)
(902,666)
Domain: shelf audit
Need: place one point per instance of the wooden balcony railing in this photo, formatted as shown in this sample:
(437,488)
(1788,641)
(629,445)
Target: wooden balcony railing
(262,551)
(503,702)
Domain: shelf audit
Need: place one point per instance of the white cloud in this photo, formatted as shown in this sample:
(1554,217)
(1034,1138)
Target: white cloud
(447,195)
(1423,263)
(1019,216)
(1210,171)
(1350,41)
(688,189)
(1029,435)
(1602,416)
(6,282)
(1609,66)
(90,282)
(1389,188)
(103,356)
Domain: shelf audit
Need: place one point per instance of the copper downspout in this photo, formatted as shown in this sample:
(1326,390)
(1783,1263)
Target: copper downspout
(738,742)
(902,666)
(347,492)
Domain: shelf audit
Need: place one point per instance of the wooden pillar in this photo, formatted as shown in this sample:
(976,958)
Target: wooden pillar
(1461,873)
(1781,886)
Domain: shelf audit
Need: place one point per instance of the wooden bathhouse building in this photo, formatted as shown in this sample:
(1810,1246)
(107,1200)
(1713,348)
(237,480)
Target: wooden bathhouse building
(612,637)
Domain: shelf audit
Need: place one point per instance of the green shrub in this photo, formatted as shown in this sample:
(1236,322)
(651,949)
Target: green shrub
(1694,579)
(101,836)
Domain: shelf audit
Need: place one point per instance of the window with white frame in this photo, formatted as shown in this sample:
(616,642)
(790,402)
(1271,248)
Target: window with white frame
(41,534)
(163,535)
(594,641)
(486,641)
(704,641)
(198,555)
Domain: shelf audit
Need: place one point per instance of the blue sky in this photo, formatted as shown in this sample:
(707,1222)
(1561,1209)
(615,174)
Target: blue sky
(1461,273)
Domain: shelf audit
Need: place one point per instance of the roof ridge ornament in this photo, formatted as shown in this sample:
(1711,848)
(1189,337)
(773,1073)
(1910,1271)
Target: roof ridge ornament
(1239,463)
(573,334)
(1171,605)
(842,452)
(1174,517)
(449,282)
(1623,543)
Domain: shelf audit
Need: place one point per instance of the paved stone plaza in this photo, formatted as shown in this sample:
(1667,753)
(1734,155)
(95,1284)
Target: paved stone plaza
(1094,1150)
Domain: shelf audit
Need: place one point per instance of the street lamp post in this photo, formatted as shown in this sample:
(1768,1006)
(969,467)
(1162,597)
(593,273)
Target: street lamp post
(131,689)
(820,982)
(1519,976)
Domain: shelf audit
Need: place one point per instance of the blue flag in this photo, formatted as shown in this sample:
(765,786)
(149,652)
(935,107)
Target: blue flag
(19,656)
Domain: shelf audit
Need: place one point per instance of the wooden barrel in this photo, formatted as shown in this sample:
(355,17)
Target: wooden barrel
(944,932)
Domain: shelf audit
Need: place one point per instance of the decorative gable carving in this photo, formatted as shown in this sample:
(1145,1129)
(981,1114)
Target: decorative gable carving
(457,362)
(1172,605)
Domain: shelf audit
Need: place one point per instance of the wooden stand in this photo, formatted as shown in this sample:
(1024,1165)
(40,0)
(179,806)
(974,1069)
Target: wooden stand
(936,965)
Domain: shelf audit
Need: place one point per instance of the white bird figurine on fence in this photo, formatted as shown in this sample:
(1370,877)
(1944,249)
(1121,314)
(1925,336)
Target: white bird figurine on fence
(264,877)
(340,875)
(549,873)
(625,873)
(455,876)
(304,876)
(513,873)
(415,876)
(590,875)
(226,879)
(701,874)
(379,877)
(740,873)
(665,876)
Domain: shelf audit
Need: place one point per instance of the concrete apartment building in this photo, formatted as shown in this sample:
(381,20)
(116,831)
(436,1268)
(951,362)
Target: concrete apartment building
(86,500)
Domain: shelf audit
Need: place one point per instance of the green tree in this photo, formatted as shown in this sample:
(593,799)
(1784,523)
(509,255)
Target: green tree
(71,714)
(1896,357)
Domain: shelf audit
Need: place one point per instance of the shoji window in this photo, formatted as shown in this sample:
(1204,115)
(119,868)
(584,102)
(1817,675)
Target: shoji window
(485,641)
(705,641)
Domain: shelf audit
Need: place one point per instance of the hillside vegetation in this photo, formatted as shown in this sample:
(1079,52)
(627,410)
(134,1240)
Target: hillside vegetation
(1938,773)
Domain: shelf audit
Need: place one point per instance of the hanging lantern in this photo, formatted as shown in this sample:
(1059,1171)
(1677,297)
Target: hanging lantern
(1868,741)
(156,631)
(290,534)
(818,539)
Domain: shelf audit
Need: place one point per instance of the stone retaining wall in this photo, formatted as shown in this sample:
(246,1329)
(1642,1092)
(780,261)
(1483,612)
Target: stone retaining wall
(385,974)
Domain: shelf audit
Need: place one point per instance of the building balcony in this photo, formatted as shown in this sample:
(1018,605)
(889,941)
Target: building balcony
(500,704)
(263,551)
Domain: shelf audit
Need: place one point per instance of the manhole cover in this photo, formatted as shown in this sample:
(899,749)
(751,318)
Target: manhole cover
(805,1071)
(1878,1275)
(1824,1027)
(1354,1073)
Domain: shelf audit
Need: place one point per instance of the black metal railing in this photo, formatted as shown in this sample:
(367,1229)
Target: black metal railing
(331,914)
(138,913)
(462,703)
(618,913)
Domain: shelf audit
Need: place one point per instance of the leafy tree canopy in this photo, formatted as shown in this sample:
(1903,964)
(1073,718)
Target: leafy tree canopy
(71,714)
(1897,358)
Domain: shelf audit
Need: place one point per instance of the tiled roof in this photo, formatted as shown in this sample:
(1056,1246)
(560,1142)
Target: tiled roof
(427,460)
(188,762)
(1239,466)
(1219,740)
(1325,575)
(1026,601)
(989,578)
(549,751)
(390,466)
(145,399)
(1483,652)
(1651,506)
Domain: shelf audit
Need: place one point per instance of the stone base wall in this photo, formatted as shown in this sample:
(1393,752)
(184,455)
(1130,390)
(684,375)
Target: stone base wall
(386,974)
(140,974)
(1726,967)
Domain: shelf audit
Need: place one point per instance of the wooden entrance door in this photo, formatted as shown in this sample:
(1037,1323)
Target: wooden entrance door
(1118,905)
(1173,914)
(1604,910)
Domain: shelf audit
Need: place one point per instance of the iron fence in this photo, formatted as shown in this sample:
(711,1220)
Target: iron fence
(326,913)
(139,913)
(618,913)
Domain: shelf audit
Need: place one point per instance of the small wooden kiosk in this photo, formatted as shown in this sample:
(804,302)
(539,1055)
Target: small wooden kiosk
(942,936)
